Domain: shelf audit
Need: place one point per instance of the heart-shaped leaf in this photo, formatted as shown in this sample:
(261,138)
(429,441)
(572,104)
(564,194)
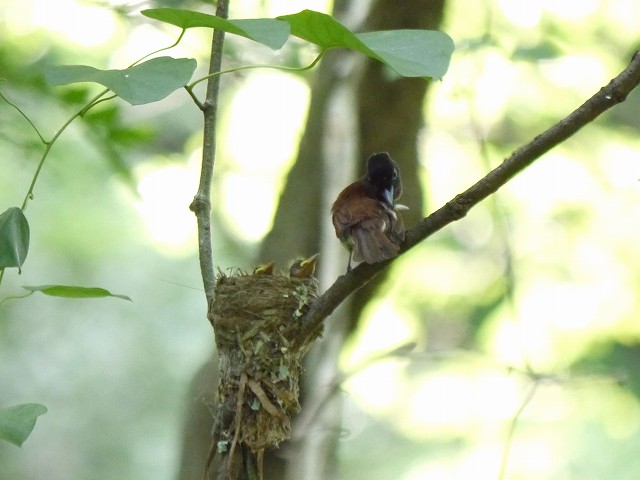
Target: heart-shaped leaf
(269,31)
(74,292)
(146,82)
(17,422)
(411,53)
(14,238)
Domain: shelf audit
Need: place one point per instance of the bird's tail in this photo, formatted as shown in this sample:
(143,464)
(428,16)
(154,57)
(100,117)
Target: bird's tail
(373,246)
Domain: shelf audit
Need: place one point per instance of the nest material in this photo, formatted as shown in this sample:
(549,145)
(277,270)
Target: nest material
(256,319)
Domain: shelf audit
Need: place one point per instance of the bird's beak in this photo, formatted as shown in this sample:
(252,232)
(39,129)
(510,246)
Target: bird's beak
(266,269)
(387,193)
(308,266)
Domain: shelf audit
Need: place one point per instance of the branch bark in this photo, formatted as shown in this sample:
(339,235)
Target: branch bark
(201,204)
(612,94)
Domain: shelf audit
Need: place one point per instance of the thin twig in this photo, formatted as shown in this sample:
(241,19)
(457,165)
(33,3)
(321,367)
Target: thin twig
(512,428)
(502,224)
(310,414)
(269,407)
(212,455)
(615,92)
(201,204)
(238,418)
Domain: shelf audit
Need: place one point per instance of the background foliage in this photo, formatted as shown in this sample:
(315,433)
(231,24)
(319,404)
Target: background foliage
(536,291)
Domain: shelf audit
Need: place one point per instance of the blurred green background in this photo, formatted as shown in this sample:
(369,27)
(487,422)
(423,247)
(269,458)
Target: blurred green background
(531,301)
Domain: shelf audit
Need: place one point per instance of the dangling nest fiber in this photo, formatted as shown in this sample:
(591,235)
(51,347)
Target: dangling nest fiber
(256,319)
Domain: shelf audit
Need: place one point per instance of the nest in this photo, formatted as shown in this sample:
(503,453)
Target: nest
(260,343)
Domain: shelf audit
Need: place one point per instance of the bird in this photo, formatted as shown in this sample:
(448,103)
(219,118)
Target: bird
(365,214)
(265,269)
(304,268)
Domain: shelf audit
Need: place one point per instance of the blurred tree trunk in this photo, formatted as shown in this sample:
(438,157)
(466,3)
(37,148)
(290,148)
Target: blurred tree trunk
(390,113)
(388,116)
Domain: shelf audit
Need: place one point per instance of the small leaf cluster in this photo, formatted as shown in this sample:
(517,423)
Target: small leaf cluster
(410,53)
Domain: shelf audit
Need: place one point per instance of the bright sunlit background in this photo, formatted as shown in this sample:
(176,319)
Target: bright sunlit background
(544,278)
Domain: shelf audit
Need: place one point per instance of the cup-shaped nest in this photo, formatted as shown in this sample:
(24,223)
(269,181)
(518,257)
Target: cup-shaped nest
(260,344)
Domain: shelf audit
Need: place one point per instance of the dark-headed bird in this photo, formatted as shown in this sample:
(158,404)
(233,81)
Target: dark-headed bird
(365,214)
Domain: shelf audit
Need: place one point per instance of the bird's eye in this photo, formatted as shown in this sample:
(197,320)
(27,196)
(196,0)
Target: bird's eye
(395,174)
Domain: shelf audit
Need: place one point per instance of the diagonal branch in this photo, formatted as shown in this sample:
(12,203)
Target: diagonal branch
(612,94)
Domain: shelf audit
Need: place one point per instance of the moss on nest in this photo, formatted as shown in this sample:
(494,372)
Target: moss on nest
(256,319)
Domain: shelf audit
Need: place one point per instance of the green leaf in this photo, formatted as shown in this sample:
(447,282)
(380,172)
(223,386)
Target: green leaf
(146,82)
(17,422)
(74,292)
(14,238)
(323,30)
(411,53)
(268,31)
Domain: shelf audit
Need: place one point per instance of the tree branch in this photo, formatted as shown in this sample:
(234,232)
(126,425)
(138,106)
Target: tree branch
(201,204)
(615,92)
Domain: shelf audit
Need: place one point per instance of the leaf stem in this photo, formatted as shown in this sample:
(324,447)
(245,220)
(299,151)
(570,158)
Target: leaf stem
(13,297)
(249,67)
(92,103)
(160,49)
(25,117)
(49,144)
(193,96)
